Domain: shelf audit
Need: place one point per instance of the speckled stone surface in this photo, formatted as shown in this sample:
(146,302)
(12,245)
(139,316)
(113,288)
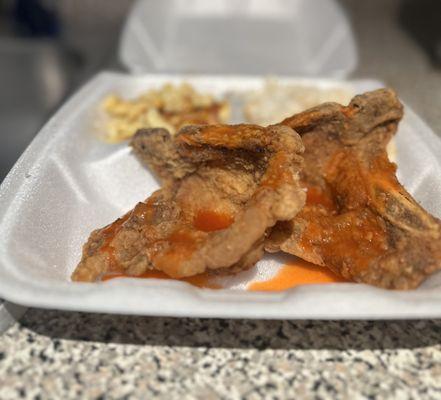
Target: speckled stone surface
(61,355)
(72,355)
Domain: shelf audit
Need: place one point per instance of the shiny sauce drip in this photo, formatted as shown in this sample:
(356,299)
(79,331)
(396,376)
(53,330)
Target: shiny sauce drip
(209,221)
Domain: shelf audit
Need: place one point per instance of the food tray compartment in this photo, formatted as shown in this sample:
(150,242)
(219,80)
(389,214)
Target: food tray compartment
(68,183)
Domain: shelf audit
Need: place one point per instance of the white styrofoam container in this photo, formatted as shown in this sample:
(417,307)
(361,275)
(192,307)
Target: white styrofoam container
(68,183)
(295,37)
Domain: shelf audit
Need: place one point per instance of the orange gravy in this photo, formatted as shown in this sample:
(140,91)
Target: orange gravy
(201,281)
(317,196)
(229,136)
(296,273)
(351,233)
(209,221)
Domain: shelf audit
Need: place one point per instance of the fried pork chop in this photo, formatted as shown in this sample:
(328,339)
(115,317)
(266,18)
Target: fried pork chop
(358,220)
(223,187)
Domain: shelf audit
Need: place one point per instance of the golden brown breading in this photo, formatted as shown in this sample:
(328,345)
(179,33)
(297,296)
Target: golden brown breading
(224,186)
(358,220)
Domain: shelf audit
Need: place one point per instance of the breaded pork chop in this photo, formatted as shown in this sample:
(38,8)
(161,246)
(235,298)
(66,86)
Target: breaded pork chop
(224,186)
(358,220)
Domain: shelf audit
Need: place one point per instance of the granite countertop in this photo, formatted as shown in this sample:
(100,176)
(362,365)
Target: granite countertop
(53,354)
(76,355)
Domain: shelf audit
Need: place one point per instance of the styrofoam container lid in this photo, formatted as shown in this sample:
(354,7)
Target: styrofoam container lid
(291,37)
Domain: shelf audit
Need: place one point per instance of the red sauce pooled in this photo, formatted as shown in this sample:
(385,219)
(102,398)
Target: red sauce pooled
(297,272)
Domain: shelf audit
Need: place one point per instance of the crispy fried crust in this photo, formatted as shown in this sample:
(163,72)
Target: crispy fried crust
(358,220)
(224,186)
